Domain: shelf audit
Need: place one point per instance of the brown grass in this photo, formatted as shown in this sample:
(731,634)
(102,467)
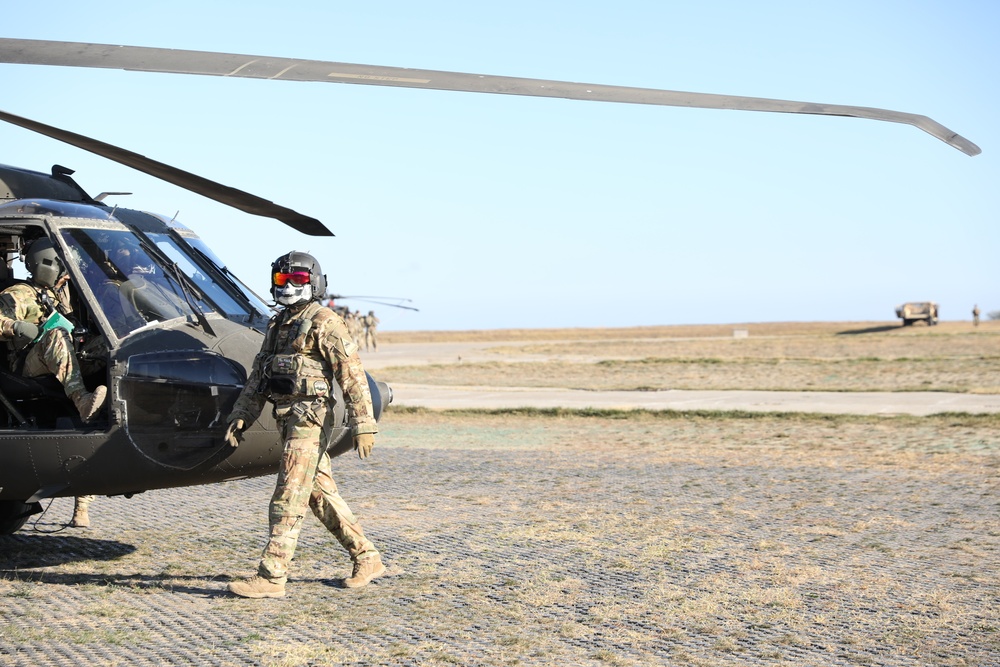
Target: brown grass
(686,331)
(952,357)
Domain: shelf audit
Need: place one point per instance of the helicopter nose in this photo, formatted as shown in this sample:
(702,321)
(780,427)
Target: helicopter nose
(381,395)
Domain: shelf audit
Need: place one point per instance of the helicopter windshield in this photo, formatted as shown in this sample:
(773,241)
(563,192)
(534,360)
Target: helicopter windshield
(210,289)
(131,285)
(255,302)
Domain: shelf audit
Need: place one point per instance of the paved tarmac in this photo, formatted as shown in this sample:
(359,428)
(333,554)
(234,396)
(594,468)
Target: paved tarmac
(458,398)
(860,403)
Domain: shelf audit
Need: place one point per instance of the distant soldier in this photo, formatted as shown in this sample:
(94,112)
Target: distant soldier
(975,315)
(358,327)
(352,325)
(371,331)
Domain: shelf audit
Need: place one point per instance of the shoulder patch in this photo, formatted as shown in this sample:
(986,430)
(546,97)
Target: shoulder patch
(349,346)
(8,305)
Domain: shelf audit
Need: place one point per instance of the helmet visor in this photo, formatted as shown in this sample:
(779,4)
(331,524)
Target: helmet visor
(295,277)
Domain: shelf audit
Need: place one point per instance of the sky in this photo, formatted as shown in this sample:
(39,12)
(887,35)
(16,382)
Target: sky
(492,211)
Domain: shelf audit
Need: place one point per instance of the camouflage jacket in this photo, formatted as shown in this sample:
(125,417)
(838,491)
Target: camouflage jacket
(29,302)
(304,350)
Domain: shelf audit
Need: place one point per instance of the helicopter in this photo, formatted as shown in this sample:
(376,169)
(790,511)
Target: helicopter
(160,321)
(391,301)
(158,317)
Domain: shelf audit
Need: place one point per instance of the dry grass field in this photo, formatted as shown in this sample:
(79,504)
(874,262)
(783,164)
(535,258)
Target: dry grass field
(574,538)
(850,356)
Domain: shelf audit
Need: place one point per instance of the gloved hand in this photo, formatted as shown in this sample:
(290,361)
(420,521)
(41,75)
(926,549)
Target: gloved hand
(25,330)
(234,434)
(363,442)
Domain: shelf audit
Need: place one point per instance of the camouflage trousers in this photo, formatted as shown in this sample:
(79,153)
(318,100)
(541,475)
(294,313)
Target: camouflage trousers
(54,354)
(304,480)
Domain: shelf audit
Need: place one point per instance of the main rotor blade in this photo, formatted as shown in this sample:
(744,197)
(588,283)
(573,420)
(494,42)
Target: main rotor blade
(238,199)
(146,59)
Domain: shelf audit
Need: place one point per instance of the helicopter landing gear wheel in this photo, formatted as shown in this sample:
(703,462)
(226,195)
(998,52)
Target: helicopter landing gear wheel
(14,514)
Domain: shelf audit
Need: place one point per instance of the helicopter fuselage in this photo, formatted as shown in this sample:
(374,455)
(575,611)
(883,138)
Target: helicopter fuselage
(164,326)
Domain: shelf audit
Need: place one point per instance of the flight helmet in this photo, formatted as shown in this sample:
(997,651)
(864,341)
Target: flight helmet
(297,278)
(43,262)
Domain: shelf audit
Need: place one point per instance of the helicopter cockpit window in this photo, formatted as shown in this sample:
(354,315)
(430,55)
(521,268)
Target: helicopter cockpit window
(130,285)
(255,302)
(212,290)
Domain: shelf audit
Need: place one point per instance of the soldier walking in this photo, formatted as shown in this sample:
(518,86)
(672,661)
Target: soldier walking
(353,326)
(371,331)
(358,328)
(307,347)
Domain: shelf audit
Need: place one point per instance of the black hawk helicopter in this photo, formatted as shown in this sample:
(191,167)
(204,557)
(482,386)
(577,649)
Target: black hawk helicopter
(158,317)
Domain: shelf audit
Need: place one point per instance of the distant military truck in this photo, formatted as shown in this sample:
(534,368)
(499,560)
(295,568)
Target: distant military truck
(916,311)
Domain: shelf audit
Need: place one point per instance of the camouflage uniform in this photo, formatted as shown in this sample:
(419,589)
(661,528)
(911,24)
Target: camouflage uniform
(371,327)
(53,352)
(357,328)
(351,325)
(306,348)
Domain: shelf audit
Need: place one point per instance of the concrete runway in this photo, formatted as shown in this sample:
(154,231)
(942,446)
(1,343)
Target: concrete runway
(859,403)
(457,398)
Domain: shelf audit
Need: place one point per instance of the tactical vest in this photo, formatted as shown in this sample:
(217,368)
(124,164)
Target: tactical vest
(293,374)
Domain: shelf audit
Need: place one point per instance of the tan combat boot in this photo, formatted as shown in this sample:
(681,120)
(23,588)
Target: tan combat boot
(89,404)
(257,587)
(365,570)
(81,519)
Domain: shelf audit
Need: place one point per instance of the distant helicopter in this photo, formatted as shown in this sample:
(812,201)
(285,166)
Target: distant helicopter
(391,301)
(158,317)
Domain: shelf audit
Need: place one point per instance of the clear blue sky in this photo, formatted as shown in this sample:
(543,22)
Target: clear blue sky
(498,212)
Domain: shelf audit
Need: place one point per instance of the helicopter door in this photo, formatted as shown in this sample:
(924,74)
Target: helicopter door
(177,403)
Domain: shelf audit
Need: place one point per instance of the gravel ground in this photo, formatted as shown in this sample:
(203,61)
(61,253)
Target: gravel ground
(535,539)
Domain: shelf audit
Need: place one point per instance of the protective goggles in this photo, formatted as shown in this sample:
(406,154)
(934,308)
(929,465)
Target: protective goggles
(295,278)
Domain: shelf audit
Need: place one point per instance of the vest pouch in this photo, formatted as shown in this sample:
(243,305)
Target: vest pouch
(282,384)
(298,375)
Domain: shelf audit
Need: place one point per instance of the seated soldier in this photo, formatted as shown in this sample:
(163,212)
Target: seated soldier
(24,308)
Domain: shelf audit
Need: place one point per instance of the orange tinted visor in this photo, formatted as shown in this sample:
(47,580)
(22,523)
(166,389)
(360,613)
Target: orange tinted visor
(296,278)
